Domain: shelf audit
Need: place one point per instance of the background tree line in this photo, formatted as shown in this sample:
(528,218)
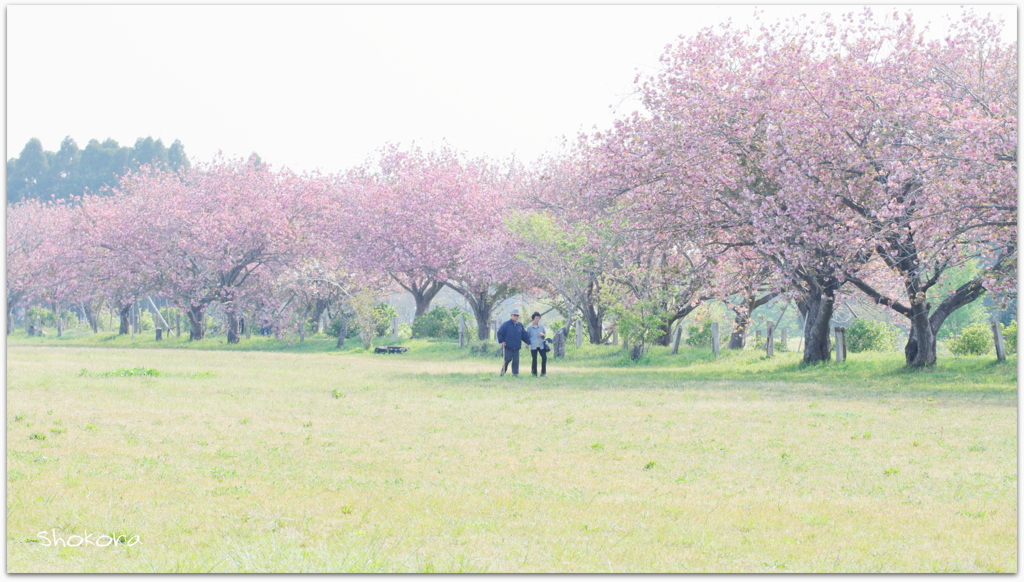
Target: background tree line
(70,171)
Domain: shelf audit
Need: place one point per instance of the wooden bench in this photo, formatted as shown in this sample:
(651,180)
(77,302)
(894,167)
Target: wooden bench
(390,350)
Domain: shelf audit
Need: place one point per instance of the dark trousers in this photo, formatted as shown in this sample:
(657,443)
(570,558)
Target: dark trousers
(511,356)
(543,361)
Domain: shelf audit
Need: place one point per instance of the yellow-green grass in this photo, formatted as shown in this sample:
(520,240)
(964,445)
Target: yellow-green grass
(269,461)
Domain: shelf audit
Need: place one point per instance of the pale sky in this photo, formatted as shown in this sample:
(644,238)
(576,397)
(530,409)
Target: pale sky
(324,86)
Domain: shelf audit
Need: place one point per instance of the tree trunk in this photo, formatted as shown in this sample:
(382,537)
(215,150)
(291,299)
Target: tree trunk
(90,316)
(233,337)
(423,294)
(344,330)
(739,332)
(819,306)
(125,314)
(921,347)
(592,317)
(665,338)
(483,325)
(11,302)
(196,314)
(318,312)
(637,351)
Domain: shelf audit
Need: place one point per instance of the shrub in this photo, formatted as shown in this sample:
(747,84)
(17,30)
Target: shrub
(45,316)
(975,340)
(382,314)
(870,335)
(439,322)
(484,348)
(699,335)
(334,328)
(1010,337)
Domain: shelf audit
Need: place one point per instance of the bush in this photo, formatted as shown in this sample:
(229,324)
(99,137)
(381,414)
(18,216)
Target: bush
(865,335)
(439,322)
(975,340)
(699,335)
(554,326)
(45,316)
(484,348)
(382,314)
(1010,337)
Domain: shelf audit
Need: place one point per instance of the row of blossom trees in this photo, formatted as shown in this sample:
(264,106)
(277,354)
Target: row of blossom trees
(855,153)
(801,160)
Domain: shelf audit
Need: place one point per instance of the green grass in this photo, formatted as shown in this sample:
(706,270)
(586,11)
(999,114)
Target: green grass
(268,457)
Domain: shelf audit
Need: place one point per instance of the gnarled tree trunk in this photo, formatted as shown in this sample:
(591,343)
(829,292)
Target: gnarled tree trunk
(196,315)
(125,313)
(233,337)
(318,311)
(816,306)
(423,291)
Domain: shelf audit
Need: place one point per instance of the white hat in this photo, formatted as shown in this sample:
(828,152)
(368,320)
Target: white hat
(515,312)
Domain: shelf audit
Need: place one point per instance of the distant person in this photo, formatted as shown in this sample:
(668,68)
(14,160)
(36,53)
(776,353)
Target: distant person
(512,336)
(538,345)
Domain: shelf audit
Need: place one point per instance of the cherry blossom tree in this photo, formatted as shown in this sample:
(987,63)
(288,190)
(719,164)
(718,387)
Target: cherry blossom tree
(38,264)
(218,232)
(406,216)
(922,154)
(487,268)
(763,136)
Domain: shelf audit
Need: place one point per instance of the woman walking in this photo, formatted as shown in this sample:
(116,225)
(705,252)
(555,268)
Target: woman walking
(535,332)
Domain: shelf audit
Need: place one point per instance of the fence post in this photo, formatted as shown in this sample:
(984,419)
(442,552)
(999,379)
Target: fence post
(559,343)
(462,331)
(615,335)
(579,334)
(159,333)
(783,339)
(394,329)
(177,323)
(1000,349)
(60,327)
(676,336)
(769,341)
(716,342)
(840,344)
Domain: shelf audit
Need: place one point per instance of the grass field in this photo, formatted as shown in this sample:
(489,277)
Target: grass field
(303,459)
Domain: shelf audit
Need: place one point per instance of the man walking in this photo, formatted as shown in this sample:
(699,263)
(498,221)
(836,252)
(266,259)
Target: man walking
(512,336)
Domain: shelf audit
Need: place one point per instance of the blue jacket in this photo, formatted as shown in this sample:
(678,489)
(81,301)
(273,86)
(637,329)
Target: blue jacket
(513,334)
(533,334)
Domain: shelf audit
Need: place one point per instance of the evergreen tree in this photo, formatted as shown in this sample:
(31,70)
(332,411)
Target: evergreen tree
(30,178)
(150,152)
(176,158)
(65,169)
(71,171)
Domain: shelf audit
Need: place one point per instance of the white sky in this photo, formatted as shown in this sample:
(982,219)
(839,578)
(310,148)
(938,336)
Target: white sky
(324,86)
